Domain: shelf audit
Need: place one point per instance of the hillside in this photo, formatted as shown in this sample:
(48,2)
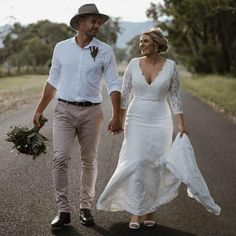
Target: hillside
(4,30)
(130,30)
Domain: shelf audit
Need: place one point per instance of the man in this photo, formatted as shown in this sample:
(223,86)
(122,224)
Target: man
(78,65)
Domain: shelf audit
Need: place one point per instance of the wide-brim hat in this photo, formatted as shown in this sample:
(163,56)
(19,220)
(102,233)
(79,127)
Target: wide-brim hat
(87,9)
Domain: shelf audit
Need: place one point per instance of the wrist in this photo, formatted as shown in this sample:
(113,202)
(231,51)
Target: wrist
(116,118)
(116,115)
(181,128)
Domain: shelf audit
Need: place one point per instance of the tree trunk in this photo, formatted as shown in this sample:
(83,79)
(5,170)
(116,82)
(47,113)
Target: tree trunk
(222,41)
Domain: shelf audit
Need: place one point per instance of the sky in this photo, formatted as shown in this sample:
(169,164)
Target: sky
(30,11)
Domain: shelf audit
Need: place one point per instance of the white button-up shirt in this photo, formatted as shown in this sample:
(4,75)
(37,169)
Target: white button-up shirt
(77,76)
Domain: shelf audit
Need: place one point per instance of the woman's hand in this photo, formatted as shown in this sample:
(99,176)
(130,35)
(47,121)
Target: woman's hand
(182,130)
(180,121)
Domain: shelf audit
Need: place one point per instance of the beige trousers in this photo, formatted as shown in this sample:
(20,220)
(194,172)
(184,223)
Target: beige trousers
(85,123)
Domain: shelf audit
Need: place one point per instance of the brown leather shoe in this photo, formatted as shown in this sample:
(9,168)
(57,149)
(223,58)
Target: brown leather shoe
(61,220)
(86,217)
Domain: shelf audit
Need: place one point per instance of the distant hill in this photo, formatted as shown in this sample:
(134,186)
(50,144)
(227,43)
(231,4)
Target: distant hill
(130,30)
(4,30)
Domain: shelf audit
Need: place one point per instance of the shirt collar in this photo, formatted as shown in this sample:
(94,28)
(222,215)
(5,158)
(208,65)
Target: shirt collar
(94,42)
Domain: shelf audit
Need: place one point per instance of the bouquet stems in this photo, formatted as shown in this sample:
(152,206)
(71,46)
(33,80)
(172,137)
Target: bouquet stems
(28,141)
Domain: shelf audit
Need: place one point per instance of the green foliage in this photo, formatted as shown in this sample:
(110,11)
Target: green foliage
(202,32)
(121,54)
(31,46)
(29,142)
(108,32)
(211,55)
(133,46)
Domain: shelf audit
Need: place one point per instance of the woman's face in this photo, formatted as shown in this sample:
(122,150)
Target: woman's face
(146,45)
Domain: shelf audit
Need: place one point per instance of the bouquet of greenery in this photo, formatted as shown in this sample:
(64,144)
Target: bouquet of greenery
(28,141)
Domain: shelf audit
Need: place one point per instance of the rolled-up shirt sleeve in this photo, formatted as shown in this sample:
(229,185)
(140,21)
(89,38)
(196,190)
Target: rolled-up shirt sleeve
(174,92)
(111,75)
(54,72)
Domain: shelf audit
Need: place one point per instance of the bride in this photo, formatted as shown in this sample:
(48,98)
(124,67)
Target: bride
(140,182)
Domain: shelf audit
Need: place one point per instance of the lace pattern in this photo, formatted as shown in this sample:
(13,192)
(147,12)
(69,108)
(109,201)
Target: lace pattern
(126,88)
(174,93)
(140,182)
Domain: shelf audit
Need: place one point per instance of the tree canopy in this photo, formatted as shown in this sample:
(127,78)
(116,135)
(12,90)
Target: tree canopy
(29,48)
(202,32)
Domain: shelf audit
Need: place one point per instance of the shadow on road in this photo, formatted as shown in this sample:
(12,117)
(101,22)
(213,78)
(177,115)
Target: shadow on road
(122,229)
(68,231)
(72,231)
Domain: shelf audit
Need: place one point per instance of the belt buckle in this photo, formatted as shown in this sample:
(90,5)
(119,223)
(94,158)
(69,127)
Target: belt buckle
(88,104)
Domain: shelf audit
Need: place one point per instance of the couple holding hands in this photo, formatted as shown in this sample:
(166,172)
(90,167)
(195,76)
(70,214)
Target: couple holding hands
(140,182)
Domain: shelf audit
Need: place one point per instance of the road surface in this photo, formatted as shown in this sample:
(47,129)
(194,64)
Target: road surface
(27,203)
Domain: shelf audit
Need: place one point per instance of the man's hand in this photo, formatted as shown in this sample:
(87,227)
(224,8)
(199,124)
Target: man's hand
(115,126)
(48,93)
(36,118)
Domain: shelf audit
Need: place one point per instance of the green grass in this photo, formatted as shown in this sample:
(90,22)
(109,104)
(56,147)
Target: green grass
(220,91)
(19,90)
(24,82)
(217,90)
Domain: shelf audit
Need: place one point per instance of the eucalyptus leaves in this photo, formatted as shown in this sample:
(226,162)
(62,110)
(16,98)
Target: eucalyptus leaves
(93,51)
(29,142)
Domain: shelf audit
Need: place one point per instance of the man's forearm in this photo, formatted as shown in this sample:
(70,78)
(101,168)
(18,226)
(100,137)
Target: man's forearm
(48,93)
(115,99)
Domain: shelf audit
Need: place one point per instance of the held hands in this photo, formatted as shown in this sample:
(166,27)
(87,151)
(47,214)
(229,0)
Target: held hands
(115,126)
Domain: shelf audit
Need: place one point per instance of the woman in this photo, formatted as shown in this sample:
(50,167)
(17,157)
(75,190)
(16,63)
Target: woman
(140,182)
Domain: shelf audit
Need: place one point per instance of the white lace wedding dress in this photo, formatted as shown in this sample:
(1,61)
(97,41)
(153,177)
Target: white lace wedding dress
(140,182)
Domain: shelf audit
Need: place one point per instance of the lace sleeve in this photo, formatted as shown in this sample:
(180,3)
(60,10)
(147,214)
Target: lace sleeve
(174,93)
(126,88)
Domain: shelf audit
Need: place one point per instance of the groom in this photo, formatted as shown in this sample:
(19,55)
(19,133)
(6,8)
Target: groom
(78,65)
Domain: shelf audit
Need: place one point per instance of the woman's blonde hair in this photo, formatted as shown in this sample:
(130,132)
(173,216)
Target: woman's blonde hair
(159,39)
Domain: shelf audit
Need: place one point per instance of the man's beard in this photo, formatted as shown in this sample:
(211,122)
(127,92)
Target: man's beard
(92,33)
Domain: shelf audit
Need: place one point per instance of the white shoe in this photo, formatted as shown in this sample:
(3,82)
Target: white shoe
(149,223)
(134,222)
(134,225)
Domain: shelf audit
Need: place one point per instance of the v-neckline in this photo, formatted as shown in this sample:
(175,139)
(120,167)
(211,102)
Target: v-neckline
(157,74)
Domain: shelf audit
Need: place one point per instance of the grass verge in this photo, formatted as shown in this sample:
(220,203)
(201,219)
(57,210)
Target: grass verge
(219,92)
(19,90)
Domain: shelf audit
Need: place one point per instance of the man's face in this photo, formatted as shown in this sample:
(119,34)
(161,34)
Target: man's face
(90,25)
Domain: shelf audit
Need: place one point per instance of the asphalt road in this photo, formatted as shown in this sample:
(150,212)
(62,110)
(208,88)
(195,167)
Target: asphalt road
(27,203)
